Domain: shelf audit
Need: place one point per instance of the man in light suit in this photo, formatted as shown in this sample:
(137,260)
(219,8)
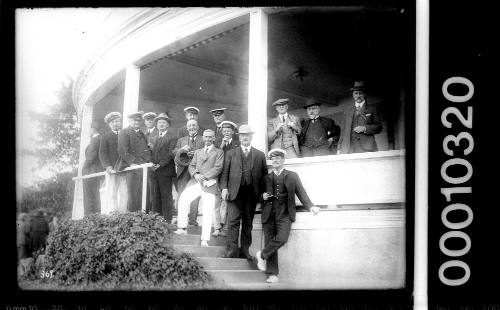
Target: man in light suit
(133,150)
(184,152)
(282,131)
(362,122)
(205,167)
(163,170)
(241,183)
(278,212)
(91,195)
(220,212)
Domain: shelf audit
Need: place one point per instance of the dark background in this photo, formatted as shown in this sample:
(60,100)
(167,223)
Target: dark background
(460,34)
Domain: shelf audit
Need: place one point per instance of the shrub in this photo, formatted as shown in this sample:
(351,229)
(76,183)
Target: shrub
(120,251)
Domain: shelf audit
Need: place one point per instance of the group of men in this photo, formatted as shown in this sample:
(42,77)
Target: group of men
(220,167)
(318,135)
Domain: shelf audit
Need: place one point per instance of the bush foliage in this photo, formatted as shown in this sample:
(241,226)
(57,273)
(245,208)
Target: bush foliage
(119,251)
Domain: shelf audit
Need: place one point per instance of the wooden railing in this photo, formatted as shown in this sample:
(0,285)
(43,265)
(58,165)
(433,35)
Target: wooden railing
(144,168)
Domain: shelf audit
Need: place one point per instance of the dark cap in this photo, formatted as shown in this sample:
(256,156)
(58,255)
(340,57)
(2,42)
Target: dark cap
(310,102)
(358,85)
(217,112)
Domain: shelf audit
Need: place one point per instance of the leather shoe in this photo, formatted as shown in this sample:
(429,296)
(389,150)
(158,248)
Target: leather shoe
(216,233)
(204,243)
(273,279)
(180,231)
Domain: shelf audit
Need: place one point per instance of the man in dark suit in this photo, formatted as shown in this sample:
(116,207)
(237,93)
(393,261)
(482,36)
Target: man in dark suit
(204,170)
(191,113)
(241,183)
(318,133)
(108,155)
(184,151)
(151,132)
(133,150)
(163,170)
(220,212)
(362,122)
(278,212)
(91,195)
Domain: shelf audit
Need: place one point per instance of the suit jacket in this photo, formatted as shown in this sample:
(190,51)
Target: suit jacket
(275,139)
(209,165)
(331,128)
(163,154)
(293,187)
(181,142)
(370,119)
(150,136)
(132,148)
(108,149)
(92,163)
(231,174)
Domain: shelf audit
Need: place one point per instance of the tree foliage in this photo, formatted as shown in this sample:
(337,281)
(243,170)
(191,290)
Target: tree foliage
(57,146)
(119,251)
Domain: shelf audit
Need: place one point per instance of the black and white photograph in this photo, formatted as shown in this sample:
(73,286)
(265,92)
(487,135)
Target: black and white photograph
(240,149)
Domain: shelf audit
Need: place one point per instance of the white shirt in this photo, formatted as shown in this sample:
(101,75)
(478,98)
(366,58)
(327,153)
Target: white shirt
(150,130)
(208,148)
(283,115)
(224,142)
(161,134)
(246,149)
(116,131)
(360,104)
(278,172)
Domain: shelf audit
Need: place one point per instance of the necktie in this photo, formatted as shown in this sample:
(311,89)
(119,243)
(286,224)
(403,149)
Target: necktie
(225,144)
(192,139)
(206,150)
(245,151)
(282,118)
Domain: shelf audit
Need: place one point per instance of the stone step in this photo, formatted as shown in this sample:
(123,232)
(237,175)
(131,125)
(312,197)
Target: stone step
(238,276)
(219,263)
(201,251)
(257,286)
(191,239)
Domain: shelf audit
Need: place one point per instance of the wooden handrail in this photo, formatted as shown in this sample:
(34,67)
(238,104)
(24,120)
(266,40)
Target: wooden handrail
(98,174)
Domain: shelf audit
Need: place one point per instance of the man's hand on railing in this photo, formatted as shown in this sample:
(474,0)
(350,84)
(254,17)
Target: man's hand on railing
(315,210)
(155,166)
(109,169)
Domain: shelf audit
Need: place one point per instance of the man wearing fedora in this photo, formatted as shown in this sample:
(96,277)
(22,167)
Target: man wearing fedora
(204,169)
(108,155)
(362,122)
(228,142)
(318,133)
(278,212)
(184,152)
(282,130)
(91,195)
(163,170)
(133,150)
(241,183)
(191,113)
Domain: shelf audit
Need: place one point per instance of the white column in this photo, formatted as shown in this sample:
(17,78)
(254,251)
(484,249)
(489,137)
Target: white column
(131,94)
(257,79)
(86,121)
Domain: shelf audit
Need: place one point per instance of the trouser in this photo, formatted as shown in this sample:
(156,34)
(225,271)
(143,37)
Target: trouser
(180,185)
(321,150)
(276,232)
(242,208)
(134,189)
(162,195)
(91,195)
(190,193)
(220,211)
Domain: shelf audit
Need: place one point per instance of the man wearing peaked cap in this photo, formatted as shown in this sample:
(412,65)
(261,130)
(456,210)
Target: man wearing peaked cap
(241,183)
(318,133)
(282,130)
(227,143)
(219,116)
(108,156)
(133,150)
(163,170)
(278,212)
(361,123)
(149,122)
(190,113)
